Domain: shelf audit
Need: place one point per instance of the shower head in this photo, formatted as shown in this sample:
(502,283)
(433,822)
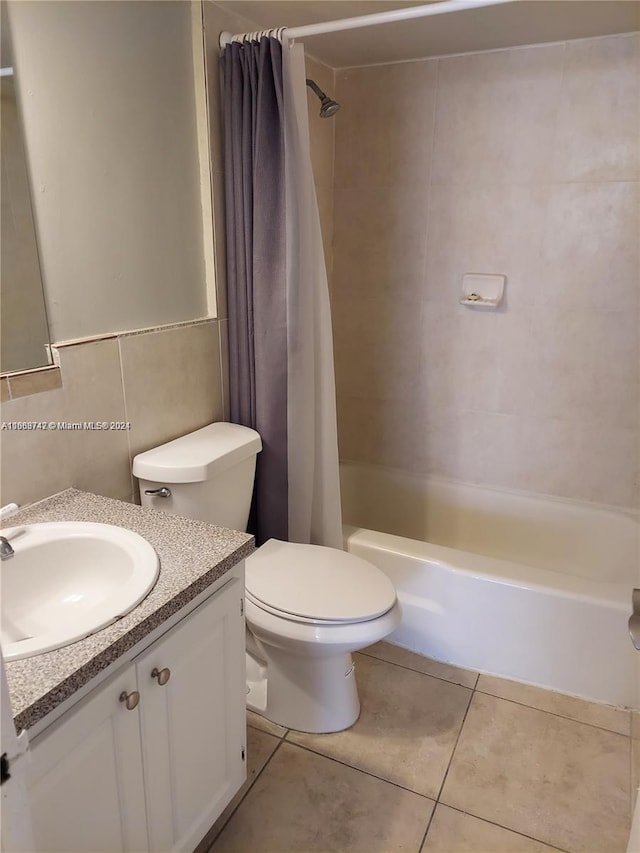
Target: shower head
(328,107)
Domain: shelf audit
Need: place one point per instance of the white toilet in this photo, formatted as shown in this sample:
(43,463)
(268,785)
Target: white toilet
(307,606)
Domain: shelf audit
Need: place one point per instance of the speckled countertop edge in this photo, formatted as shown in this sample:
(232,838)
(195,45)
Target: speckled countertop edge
(193,555)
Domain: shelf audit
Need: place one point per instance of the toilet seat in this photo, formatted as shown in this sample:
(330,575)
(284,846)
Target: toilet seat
(305,620)
(318,640)
(316,585)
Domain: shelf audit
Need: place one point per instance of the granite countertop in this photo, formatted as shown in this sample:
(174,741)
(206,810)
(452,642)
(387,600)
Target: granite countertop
(193,555)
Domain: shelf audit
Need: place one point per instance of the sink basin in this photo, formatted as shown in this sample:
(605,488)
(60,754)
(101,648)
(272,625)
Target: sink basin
(67,580)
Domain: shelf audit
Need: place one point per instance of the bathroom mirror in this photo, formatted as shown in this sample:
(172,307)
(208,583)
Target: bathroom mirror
(112,103)
(24,333)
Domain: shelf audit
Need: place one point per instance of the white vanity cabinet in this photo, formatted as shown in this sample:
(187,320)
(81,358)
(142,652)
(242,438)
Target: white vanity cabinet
(86,789)
(194,726)
(149,760)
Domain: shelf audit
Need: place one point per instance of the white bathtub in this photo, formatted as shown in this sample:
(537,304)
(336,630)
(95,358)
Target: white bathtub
(529,588)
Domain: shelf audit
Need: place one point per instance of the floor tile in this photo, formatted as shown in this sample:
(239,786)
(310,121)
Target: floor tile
(407,729)
(396,654)
(452,831)
(557,780)
(604,716)
(260,747)
(305,802)
(257,722)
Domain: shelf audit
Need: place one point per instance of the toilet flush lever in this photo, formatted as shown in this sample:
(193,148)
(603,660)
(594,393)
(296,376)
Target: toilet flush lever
(634,619)
(162,492)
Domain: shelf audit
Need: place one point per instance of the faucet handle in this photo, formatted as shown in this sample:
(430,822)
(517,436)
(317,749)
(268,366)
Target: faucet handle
(8,510)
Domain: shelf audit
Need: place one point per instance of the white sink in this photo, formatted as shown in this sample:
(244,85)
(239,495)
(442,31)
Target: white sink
(67,580)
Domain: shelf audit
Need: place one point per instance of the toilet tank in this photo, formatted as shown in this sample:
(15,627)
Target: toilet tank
(206,475)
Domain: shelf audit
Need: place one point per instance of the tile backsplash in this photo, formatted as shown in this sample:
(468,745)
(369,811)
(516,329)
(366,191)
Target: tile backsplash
(162,382)
(523,162)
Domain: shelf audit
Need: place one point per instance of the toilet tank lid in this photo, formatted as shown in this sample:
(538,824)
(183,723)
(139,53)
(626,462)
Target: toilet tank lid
(199,455)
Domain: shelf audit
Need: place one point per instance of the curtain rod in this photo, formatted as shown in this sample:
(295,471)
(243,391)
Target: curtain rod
(393,16)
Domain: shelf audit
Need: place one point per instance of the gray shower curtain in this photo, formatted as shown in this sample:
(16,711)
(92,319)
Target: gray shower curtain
(256,267)
(280,344)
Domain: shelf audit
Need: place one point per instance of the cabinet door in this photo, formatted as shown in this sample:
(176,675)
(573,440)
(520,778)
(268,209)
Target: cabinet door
(193,726)
(85,777)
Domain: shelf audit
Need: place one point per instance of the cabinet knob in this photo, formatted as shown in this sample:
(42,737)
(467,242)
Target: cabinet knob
(163,675)
(130,699)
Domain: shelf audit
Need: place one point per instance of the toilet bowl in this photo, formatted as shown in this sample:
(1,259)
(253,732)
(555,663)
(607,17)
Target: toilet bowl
(307,607)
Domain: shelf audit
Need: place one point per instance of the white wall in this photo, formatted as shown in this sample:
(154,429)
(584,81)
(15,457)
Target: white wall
(107,91)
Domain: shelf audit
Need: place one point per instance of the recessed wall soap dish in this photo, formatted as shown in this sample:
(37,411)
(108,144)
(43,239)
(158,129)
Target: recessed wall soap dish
(482,290)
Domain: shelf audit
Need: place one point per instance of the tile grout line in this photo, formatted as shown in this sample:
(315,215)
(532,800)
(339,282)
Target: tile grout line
(421,672)
(446,773)
(359,769)
(514,701)
(455,746)
(553,713)
(132,484)
(265,732)
(507,828)
(426,832)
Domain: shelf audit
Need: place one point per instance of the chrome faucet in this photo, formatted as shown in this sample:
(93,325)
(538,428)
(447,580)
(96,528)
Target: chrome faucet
(6,551)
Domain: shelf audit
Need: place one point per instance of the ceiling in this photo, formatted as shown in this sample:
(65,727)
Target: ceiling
(516,23)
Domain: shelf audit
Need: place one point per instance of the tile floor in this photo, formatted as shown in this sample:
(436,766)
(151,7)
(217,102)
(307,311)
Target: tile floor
(441,761)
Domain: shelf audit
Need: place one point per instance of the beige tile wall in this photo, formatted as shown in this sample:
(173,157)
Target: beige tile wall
(164,382)
(523,162)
